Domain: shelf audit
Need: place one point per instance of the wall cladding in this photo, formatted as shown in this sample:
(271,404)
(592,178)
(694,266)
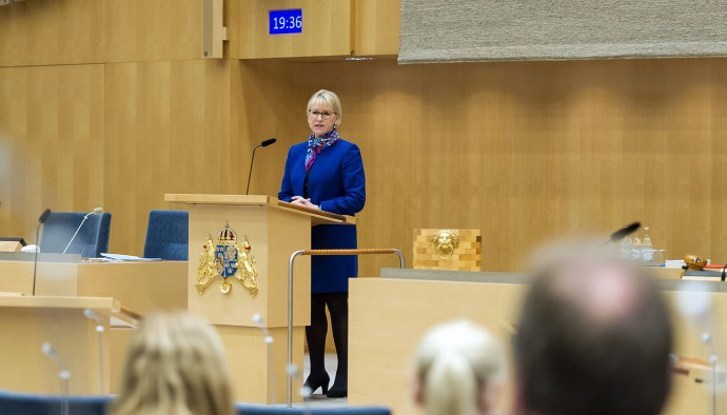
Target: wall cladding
(484,30)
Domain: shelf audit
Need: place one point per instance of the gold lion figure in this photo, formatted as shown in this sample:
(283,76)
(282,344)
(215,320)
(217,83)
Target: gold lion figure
(246,272)
(445,242)
(207,268)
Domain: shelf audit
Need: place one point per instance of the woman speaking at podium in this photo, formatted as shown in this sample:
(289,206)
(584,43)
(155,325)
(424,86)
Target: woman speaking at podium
(326,172)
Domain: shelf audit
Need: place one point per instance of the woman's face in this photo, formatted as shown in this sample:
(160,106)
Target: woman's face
(321,118)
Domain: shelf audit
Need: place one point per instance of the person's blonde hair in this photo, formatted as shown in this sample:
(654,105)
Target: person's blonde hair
(458,365)
(174,365)
(328,98)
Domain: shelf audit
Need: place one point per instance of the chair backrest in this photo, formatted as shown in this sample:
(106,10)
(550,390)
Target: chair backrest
(167,235)
(14,403)
(253,409)
(92,238)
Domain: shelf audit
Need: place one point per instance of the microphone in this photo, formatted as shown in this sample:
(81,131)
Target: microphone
(64,374)
(92,315)
(624,232)
(41,220)
(260,323)
(265,143)
(95,211)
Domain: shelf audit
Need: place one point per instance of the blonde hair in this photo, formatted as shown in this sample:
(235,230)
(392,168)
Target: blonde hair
(174,365)
(457,366)
(328,98)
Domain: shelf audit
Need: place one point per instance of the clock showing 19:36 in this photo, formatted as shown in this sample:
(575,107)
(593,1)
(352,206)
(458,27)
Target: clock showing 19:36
(283,22)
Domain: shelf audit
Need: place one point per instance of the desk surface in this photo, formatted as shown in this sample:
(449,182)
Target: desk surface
(142,287)
(388,316)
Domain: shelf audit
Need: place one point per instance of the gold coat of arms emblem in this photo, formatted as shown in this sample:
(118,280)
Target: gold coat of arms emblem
(227,259)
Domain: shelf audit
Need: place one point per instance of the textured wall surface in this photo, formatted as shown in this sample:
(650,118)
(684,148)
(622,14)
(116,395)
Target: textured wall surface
(477,30)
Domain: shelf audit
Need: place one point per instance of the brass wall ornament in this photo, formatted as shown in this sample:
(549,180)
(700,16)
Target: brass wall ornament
(445,242)
(228,259)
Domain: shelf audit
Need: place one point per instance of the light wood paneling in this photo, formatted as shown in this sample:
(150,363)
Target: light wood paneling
(388,318)
(327,29)
(160,30)
(52,32)
(376,27)
(51,147)
(523,151)
(167,131)
(31,322)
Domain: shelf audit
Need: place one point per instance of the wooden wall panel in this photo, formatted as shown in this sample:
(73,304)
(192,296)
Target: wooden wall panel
(376,27)
(52,32)
(167,131)
(51,146)
(327,29)
(160,30)
(524,151)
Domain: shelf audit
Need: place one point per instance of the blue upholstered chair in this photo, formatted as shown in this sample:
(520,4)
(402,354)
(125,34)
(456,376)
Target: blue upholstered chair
(252,409)
(14,403)
(92,238)
(167,235)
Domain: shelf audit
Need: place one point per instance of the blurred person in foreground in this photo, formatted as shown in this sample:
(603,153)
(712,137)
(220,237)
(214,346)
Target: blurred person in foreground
(594,338)
(460,370)
(175,365)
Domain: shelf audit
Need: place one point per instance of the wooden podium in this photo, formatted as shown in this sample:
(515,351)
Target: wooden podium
(274,230)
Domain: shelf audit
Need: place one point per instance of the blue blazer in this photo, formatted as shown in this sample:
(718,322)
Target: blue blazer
(338,184)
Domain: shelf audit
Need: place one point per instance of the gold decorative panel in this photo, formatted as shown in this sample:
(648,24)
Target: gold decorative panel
(455,249)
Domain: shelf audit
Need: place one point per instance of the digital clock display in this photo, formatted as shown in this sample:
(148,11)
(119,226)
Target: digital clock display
(284,22)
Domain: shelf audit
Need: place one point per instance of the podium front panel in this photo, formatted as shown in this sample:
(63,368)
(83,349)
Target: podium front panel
(273,234)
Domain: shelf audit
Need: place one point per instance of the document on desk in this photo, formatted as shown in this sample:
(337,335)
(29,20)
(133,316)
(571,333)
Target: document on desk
(120,257)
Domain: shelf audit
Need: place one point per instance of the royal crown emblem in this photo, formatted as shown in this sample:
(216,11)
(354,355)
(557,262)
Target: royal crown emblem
(228,259)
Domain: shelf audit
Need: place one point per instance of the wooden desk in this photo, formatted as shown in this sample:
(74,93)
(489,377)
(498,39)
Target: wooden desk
(389,316)
(141,286)
(28,322)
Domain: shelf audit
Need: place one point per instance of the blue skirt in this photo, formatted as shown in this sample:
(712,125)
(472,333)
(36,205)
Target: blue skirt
(330,274)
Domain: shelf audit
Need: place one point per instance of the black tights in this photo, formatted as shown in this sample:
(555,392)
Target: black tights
(315,334)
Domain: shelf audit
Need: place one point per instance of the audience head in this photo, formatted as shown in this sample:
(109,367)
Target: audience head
(594,338)
(174,365)
(459,370)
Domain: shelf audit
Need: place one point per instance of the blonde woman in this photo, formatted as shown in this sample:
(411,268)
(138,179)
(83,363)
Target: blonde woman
(326,172)
(175,365)
(460,368)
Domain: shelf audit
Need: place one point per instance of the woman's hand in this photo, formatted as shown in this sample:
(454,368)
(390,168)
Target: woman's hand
(298,200)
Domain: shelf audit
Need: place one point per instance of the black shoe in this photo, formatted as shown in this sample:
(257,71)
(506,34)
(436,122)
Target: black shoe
(322,381)
(338,391)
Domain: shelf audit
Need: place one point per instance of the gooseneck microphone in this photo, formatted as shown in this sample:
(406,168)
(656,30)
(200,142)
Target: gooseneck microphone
(624,232)
(63,374)
(92,315)
(41,220)
(96,211)
(265,143)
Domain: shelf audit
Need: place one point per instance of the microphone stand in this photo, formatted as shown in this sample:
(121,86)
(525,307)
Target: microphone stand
(708,341)
(269,348)
(64,375)
(41,220)
(35,257)
(91,315)
(265,143)
(77,230)
(249,175)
